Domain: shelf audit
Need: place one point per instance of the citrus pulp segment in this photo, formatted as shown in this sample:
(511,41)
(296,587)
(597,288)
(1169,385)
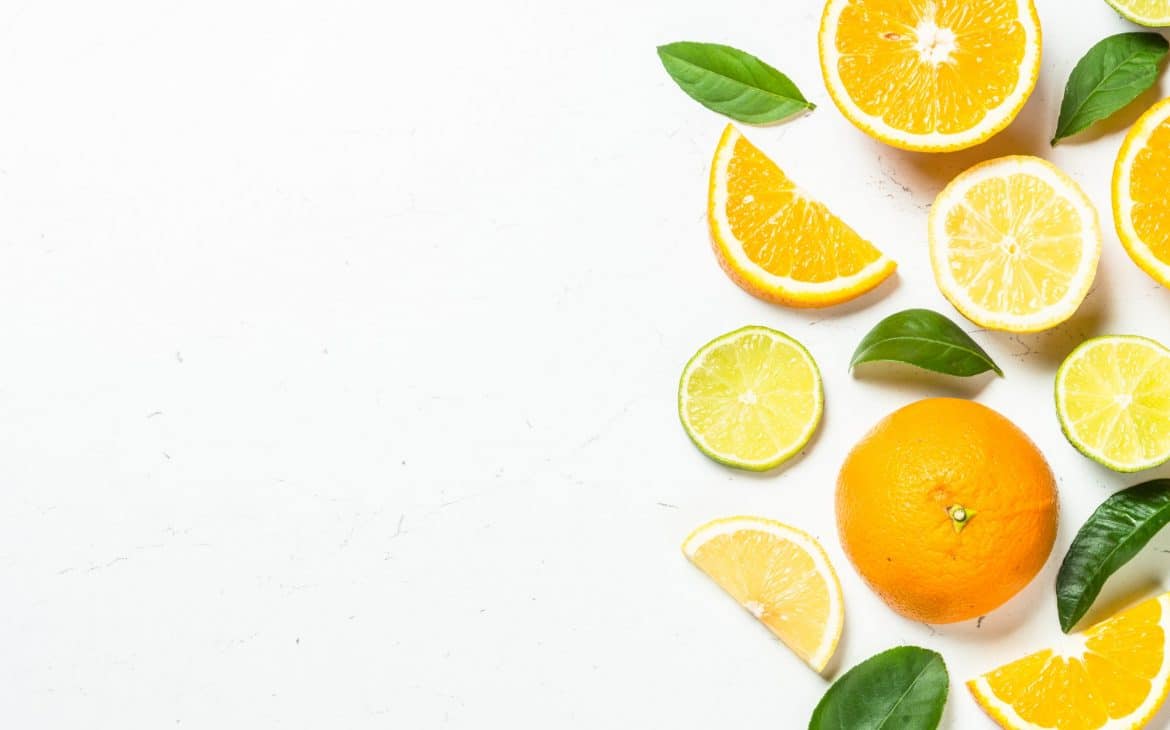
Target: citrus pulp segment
(1014,244)
(1113,401)
(930,75)
(777,242)
(1114,676)
(780,575)
(1141,177)
(751,398)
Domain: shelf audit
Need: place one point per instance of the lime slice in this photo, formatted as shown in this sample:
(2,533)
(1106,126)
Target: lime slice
(1154,13)
(751,398)
(1113,401)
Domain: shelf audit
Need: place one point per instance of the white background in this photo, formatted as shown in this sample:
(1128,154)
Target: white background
(340,346)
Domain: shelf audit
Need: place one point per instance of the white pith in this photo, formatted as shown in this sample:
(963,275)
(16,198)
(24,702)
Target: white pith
(734,248)
(956,192)
(1136,719)
(1134,143)
(996,118)
(836,617)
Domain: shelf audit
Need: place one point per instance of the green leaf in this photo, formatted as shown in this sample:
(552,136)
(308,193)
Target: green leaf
(732,82)
(1109,539)
(927,340)
(904,688)
(1111,75)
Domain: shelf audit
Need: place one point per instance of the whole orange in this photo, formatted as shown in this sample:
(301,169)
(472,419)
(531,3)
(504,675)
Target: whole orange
(947,510)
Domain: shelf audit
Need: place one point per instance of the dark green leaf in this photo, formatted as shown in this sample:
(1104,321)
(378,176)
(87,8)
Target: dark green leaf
(732,82)
(926,339)
(1112,74)
(904,688)
(1109,539)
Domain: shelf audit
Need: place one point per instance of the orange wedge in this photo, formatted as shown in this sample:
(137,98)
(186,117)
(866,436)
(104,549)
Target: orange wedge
(1141,209)
(930,75)
(1114,676)
(776,241)
(780,575)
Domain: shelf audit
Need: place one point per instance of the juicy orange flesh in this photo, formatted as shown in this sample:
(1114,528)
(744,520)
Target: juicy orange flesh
(1148,183)
(782,230)
(930,65)
(1110,680)
(1014,244)
(1134,430)
(773,578)
(753,397)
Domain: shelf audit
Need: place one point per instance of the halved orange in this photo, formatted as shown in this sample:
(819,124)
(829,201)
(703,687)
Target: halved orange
(1113,676)
(1141,209)
(777,242)
(930,75)
(781,575)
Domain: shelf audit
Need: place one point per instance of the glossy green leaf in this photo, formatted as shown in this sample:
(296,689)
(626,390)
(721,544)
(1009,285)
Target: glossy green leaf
(927,340)
(903,688)
(732,82)
(1109,539)
(1111,75)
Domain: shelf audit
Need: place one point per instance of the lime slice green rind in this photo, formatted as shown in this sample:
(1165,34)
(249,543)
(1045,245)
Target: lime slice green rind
(1150,13)
(729,421)
(1156,426)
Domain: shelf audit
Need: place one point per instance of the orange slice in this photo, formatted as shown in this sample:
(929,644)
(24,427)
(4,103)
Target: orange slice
(930,75)
(780,575)
(1112,676)
(776,241)
(1141,209)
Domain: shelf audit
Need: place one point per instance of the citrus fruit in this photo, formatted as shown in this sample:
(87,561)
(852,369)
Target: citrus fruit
(751,398)
(1014,244)
(1141,210)
(780,575)
(1113,401)
(1154,13)
(946,510)
(777,242)
(1112,676)
(930,75)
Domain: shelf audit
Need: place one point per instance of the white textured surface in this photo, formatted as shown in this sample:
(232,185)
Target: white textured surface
(341,345)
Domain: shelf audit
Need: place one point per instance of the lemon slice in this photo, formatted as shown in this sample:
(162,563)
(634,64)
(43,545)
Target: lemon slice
(1141,209)
(928,75)
(1113,401)
(778,243)
(1014,244)
(780,575)
(1112,676)
(1153,13)
(751,398)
